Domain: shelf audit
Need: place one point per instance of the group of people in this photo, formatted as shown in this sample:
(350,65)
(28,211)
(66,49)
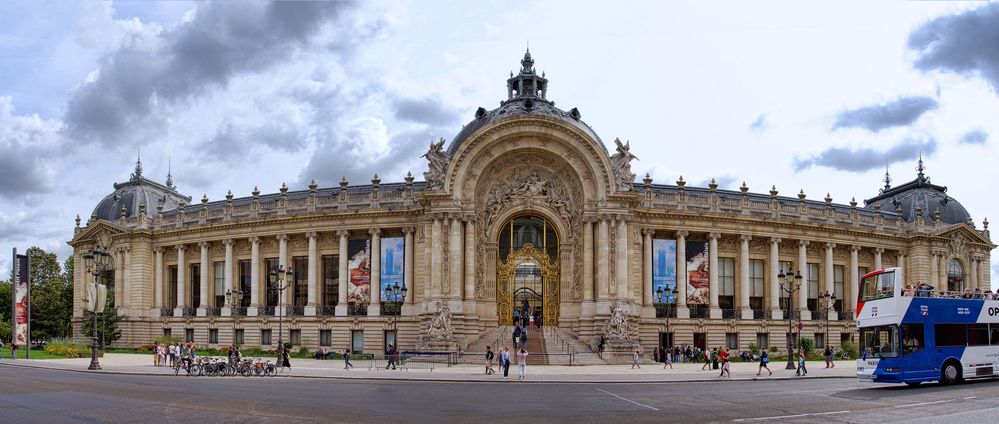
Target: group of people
(173,354)
(720,359)
(923,289)
(503,361)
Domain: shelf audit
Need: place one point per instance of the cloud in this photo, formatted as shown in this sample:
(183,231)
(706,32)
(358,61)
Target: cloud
(976,136)
(964,43)
(760,124)
(724,181)
(864,159)
(896,113)
(428,110)
(28,144)
(362,147)
(155,69)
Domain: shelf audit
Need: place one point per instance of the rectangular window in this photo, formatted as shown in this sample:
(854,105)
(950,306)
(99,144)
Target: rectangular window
(213,335)
(270,264)
(978,334)
(171,297)
(732,340)
(820,340)
(331,281)
(244,281)
(300,292)
(167,332)
(195,286)
(913,338)
(390,339)
(296,337)
(763,340)
(325,337)
(726,283)
(839,274)
(218,275)
(239,336)
(357,341)
(950,335)
(757,275)
(880,342)
(189,335)
(265,337)
(813,280)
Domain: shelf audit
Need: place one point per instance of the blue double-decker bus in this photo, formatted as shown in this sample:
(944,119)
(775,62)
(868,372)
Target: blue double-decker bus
(911,333)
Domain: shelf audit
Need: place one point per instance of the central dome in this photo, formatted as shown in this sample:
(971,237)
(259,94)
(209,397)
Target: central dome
(526,95)
(922,198)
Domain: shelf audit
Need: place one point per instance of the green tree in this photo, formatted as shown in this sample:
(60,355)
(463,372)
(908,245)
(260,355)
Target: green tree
(6,302)
(51,297)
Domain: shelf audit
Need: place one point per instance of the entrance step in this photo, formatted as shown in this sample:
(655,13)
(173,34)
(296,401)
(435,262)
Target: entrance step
(490,338)
(563,347)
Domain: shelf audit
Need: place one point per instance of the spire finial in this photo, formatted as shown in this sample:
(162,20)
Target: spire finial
(169,181)
(887,179)
(138,165)
(920,168)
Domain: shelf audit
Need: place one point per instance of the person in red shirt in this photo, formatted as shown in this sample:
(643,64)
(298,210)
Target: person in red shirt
(725,364)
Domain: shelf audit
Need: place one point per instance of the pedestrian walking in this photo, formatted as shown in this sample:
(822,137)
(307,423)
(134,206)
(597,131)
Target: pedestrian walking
(707,360)
(829,357)
(634,360)
(523,339)
(13,350)
(285,360)
(346,359)
(522,362)
(505,358)
(489,361)
(802,371)
(764,362)
(668,359)
(714,358)
(516,335)
(156,354)
(725,363)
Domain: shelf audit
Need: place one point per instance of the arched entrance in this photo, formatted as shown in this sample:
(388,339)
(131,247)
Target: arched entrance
(527,272)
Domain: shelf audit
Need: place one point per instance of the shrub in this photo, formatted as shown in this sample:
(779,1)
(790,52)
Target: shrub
(808,345)
(167,340)
(67,348)
(849,349)
(754,349)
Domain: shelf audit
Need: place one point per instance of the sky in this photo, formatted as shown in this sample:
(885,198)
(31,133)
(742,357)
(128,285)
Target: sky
(226,96)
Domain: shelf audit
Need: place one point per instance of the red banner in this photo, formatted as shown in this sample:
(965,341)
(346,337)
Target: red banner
(21,293)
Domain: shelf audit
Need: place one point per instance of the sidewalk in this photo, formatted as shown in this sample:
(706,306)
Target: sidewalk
(119,363)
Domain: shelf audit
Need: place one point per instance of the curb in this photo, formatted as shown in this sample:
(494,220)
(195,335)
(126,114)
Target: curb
(451,380)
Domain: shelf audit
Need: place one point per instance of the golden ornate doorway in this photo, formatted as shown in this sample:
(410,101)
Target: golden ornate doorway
(527,272)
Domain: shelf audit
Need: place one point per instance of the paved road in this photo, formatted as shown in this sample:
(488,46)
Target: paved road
(53,396)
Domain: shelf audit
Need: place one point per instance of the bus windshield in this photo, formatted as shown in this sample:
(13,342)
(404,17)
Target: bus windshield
(879,342)
(878,286)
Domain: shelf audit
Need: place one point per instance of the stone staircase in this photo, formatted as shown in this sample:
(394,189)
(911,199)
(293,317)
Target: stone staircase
(488,338)
(560,343)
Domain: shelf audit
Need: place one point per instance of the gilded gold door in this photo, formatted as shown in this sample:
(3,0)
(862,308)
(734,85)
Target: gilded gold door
(529,274)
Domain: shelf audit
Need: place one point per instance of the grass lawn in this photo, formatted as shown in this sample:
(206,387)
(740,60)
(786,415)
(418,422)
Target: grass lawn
(21,354)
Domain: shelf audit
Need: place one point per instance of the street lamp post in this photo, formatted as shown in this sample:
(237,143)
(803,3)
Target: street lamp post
(665,299)
(280,280)
(828,304)
(97,261)
(394,297)
(235,300)
(789,283)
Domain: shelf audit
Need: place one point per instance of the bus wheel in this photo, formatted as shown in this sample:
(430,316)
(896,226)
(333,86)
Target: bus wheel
(950,374)
(912,383)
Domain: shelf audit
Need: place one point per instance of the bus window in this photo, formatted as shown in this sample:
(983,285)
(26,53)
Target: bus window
(912,338)
(879,342)
(950,335)
(878,286)
(978,334)
(995,334)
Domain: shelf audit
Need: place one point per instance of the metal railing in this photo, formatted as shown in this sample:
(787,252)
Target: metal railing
(391,308)
(729,313)
(354,308)
(239,311)
(846,315)
(213,312)
(665,310)
(326,310)
(166,312)
(759,314)
(266,310)
(189,312)
(699,311)
(296,310)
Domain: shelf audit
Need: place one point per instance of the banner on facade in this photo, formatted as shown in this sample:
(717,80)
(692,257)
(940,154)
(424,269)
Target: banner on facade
(392,262)
(698,288)
(663,269)
(21,298)
(359,269)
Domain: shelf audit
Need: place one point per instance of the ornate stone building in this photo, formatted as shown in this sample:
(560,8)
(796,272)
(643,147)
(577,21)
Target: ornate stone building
(525,206)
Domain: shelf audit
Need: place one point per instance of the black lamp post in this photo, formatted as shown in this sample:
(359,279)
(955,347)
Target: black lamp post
(665,301)
(235,300)
(97,261)
(828,305)
(789,283)
(280,280)
(394,297)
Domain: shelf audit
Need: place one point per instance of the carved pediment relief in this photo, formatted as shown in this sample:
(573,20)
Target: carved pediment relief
(100,232)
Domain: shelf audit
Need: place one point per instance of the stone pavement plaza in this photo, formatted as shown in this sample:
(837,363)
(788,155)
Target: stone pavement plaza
(333,368)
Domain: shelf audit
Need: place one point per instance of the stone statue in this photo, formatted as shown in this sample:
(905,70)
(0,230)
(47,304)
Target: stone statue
(437,166)
(440,325)
(621,161)
(619,326)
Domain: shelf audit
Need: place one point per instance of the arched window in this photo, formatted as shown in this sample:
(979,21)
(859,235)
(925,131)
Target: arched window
(955,276)
(526,229)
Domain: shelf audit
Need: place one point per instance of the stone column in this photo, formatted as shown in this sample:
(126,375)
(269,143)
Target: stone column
(803,290)
(469,263)
(456,258)
(587,306)
(854,278)
(944,284)
(622,260)
(254,275)
(714,312)
(227,281)
(284,298)
(204,266)
(603,254)
(830,276)
(775,292)
(407,278)
(681,274)
(877,258)
(341,297)
(158,280)
(934,274)
(119,280)
(375,305)
(744,282)
(647,293)
(434,262)
(973,277)
(313,273)
(181,278)
(901,263)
